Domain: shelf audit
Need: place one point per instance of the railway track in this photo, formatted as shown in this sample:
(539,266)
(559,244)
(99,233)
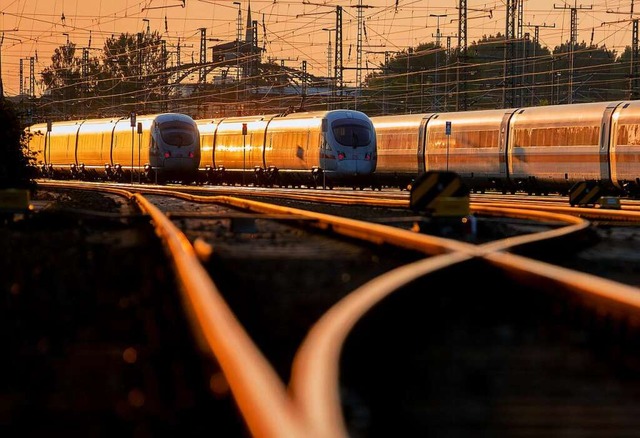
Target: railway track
(367,312)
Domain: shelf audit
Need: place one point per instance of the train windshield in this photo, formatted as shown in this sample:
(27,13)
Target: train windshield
(178,133)
(350,132)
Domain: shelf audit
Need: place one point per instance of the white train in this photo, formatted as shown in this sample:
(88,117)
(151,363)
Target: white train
(160,148)
(532,149)
(319,148)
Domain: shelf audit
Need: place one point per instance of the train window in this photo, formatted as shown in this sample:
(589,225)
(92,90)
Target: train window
(351,132)
(628,135)
(178,133)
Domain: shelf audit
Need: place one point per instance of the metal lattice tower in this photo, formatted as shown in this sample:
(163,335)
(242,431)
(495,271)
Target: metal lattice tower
(521,56)
(338,59)
(634,89)
(254,52)
(461,80)
(572,46)
(536,38)
(178,54)
(519,18)
(359,52)
(329,57)
(202,77)
(165,80)
(21,78)
(85,69)
(1,86)
(438,47)
(572,42)
(32,77)
(508,87)
(238,38)
(304,79)
(139,58)
(446,72)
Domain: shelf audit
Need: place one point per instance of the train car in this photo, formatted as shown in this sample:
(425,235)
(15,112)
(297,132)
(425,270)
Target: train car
(624,148)
(160,148)
(400,141)
(553,147)
(471,143)
(533,149)
(319,148)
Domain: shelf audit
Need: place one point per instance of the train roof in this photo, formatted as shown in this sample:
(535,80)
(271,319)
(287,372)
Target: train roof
(111,120)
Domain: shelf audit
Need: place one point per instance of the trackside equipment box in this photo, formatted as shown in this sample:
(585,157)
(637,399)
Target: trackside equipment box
(440,194)
(15,201)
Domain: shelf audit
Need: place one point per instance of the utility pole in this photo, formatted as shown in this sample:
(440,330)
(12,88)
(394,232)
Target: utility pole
(521,56)
(338,84)
(2,38)
(1,87)
(360,7)
(633,81)
(337,65)
(304,80)
(461,82)
(330,76)
(536,39)
(436,83)
(238,36)
(572,42)
(634,86)
(447,61)
(385,72)
(165,77)
(203,56)
(508,76)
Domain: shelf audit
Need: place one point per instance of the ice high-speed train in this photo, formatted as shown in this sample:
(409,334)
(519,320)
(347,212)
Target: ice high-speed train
(322,148)
(319,148)
(532,149)
(160,147)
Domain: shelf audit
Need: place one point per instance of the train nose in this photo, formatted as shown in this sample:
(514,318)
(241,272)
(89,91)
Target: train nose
(357,166)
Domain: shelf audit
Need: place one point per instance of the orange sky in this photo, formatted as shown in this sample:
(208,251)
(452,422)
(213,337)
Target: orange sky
(288,30)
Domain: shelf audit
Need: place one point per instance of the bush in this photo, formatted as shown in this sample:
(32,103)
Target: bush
(16,170)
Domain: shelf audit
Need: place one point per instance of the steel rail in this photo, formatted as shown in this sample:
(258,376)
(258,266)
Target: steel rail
(312,407)
(259,392)
(257,389)
(630,215)
(314,379)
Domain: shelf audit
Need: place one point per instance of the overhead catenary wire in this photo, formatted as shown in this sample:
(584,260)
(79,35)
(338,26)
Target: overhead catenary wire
(385,27)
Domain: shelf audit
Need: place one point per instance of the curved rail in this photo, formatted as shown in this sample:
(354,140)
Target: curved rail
(314,379)
(312,406)
(259,393)
(257,389)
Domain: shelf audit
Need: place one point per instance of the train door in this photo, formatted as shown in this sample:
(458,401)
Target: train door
(47,144)
(502,145)
(264,143)
(324,149)
(214,143)
(76,145)
(610,138)
(422,144)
